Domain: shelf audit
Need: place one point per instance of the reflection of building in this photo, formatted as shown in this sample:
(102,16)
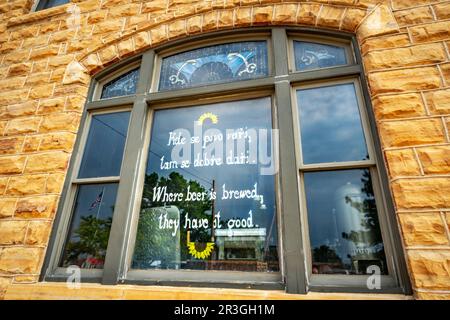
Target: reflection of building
(244,246)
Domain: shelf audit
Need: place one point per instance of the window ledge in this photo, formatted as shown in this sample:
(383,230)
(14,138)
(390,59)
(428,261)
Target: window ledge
(59,291)
(39,15)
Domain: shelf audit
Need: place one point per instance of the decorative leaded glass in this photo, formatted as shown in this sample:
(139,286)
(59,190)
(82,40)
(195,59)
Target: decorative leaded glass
(121,86)
(46,4)
(309,55)
(215,64)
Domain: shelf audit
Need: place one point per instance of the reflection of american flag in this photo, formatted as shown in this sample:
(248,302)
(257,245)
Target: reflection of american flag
(97,201)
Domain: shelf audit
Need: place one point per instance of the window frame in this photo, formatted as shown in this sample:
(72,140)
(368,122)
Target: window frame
(112,76)
(341,43)
(387,281)
(72,192)
(268,280)
(178,49)
(281,81)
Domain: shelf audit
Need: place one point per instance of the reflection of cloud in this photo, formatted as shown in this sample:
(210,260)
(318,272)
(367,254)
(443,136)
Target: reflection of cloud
(330,124)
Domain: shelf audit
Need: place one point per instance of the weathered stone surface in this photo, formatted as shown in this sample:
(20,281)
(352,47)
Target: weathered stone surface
(17,260)
(12,164)
(412,132)
(7,206)
(430,193)
(60,122)
(23,125)
(442,10)
(262,15)
(399,106)
(57,141)
(55,183)
(3,182)
(47,162)
(36,207)
(26,185)
(10,145)
(430,269)
(414,16)
(402,163)
(307,13)
(430,295)
(435,160)
(411,56)
(51,105)
(438,101)
(379,22)
(12,232)
(352,18)
(405,80)
(423,229)
(38,233)
(431,32)
(446,72)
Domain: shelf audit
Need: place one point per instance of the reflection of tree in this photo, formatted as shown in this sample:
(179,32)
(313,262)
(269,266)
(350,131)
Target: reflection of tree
(92,239)
(370,235)
(150,240)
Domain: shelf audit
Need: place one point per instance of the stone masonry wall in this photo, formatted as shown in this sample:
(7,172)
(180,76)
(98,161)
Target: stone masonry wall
(48,57)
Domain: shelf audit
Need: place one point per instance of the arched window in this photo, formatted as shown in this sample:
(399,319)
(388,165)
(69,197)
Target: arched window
(246,160)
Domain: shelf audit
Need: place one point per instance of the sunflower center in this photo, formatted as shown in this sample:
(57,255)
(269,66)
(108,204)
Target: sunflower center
(200,246)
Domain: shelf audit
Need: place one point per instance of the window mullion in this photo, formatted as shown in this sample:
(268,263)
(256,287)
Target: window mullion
(324,74)
(110,103)
(338,165)
(210,90)
(294,268)
(96,180)
(145,80)
(114,261)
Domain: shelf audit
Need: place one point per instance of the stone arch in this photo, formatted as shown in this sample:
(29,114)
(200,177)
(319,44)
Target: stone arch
(365,18)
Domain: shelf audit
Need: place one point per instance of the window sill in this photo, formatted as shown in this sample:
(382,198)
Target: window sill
(59,291)
(38,15)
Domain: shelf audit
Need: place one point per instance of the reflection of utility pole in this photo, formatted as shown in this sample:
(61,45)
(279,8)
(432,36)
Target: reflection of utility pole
(98,213)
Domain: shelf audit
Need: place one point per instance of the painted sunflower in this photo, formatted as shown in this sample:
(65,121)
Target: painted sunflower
(208,115)
(200,250)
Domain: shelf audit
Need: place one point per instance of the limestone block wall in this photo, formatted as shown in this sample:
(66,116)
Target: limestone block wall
(48,57)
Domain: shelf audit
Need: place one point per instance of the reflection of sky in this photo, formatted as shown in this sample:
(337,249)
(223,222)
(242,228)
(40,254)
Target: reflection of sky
(104,147)
(251,114)
(330,124)
(328,214)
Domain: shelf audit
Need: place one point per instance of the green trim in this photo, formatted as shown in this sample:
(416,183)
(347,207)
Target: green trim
(289,194)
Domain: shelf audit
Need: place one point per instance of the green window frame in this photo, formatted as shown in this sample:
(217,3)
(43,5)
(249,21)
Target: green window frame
(295,275)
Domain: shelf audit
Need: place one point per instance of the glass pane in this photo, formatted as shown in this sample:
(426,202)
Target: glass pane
(209,196)
(330,125)
(310,55)
(104,146)
(343,222)
(91,222)
(215,64)
(121,86)
(45,4)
